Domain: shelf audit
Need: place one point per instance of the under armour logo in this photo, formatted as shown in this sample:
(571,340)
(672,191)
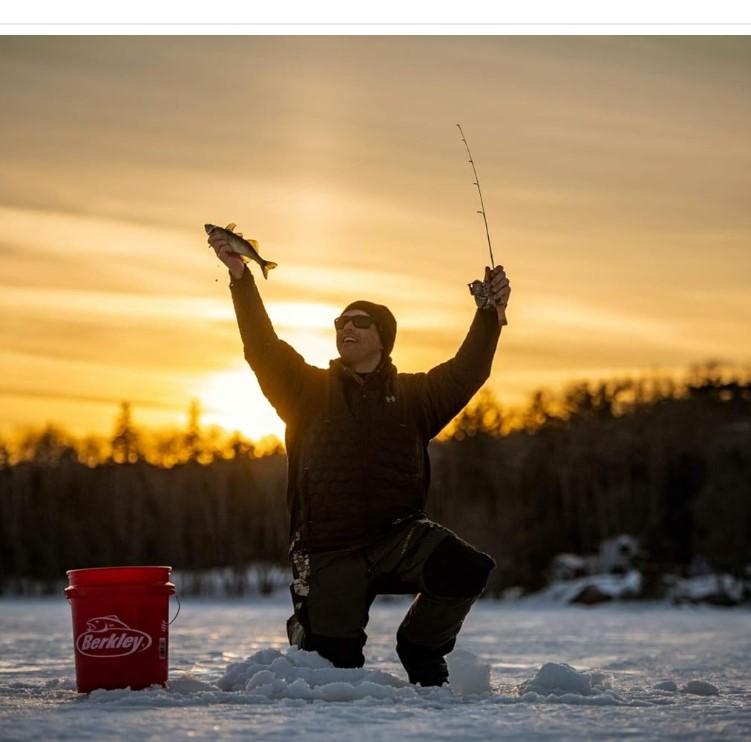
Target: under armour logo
(390,398)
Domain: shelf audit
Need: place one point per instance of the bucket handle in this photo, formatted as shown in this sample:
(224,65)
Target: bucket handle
(174,618)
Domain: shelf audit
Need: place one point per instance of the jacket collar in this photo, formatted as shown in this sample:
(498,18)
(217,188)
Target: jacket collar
(384,371)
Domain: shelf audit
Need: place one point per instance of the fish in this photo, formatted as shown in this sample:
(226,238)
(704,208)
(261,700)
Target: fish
(242,246)
(102,623)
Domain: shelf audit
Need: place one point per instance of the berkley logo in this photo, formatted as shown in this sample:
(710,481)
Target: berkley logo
(108,636)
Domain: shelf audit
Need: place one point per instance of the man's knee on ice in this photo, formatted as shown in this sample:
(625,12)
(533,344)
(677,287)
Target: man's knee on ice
(340,652)
(456,570)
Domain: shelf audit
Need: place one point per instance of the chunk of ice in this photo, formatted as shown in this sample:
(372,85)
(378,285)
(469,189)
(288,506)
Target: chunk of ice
(700,688)
(468,674)
(560,679)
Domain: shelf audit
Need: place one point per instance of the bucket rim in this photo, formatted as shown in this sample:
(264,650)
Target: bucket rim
(135,574)
(120,567)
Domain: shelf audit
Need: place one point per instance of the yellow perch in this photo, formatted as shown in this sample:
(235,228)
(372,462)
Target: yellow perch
(242,246)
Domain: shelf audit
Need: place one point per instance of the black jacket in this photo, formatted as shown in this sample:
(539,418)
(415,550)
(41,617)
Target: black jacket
(357,447)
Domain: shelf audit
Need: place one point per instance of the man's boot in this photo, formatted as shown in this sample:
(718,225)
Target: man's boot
(424,665)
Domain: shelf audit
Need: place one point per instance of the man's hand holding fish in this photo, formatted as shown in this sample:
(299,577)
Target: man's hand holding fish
(219,241)
(231,243)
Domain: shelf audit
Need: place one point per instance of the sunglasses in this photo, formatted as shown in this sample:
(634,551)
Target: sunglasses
(361,321)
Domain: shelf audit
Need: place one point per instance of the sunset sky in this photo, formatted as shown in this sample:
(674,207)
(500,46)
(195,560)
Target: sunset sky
(616,173)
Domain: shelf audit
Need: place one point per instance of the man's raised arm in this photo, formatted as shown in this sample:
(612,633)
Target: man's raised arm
(448,387)
(282,372)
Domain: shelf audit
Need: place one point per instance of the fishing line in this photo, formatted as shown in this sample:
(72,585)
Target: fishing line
(482,204)
(480,290)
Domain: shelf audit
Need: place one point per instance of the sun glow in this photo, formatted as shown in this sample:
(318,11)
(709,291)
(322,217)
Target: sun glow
(233,400)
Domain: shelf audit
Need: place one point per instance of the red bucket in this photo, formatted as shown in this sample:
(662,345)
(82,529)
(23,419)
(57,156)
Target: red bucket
(120,622)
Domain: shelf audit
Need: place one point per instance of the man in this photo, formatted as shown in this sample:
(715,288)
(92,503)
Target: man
(357,438)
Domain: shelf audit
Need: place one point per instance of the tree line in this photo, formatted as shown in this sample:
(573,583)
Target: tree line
(667,462)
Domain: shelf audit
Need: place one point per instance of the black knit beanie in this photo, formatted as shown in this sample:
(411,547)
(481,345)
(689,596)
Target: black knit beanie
(385,321)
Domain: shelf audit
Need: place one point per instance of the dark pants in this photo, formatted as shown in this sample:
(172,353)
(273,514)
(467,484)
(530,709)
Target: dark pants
(332,593)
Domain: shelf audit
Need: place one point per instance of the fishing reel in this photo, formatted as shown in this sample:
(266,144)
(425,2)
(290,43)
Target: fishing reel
(481,291)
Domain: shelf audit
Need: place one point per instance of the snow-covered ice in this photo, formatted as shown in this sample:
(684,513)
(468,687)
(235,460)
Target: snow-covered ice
(520,671)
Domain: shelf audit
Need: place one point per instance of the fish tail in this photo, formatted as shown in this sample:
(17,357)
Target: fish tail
(266,266)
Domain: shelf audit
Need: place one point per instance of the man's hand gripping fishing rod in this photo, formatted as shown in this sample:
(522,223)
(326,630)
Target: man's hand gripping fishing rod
(494,290)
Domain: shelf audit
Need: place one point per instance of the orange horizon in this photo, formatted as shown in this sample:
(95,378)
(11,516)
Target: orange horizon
(513,415)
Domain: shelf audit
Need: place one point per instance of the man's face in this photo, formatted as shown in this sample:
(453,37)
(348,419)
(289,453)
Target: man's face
(355,344)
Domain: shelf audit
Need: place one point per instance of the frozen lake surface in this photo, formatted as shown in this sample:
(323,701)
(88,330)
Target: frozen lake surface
(621,653)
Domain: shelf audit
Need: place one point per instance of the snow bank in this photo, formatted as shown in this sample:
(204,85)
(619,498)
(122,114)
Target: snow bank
(559,682)
(308,676)
(294,675)
(272,675)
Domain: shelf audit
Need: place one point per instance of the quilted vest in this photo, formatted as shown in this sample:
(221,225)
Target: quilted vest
(362,463)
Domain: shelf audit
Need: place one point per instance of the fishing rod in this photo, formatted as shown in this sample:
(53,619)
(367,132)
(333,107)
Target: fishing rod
(481,289)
